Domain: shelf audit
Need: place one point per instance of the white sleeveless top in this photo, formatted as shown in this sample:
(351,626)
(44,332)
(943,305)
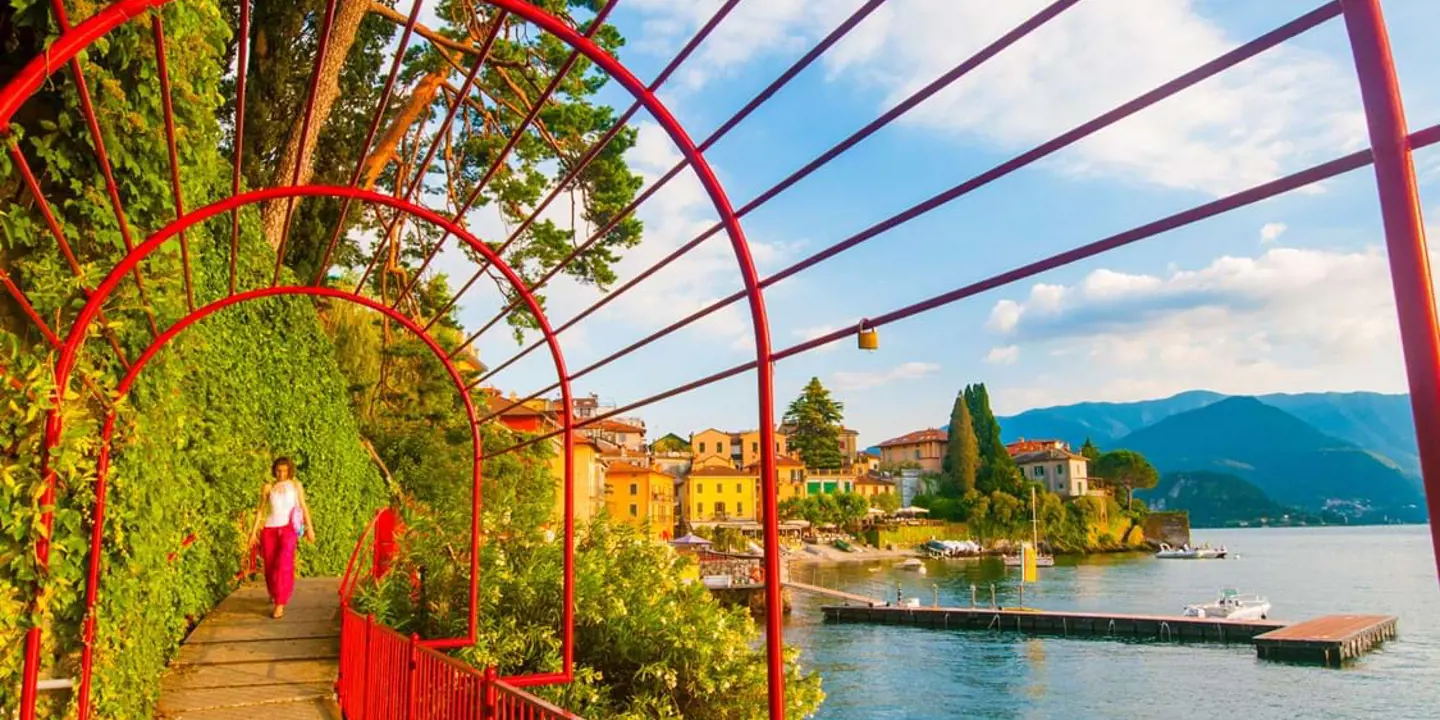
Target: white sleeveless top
(283,499)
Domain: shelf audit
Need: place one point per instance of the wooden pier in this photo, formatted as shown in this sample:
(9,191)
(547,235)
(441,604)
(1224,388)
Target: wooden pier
(1330,640)
(837,594)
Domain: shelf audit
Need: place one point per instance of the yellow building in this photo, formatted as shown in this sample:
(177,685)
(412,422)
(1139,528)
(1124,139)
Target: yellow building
(749,442)
(589,490)
(713,494)
(641,496)
(871,485)
(710,443)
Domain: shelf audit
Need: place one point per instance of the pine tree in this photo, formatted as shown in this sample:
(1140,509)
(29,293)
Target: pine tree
(962,454)
(1089,450)
(815,421)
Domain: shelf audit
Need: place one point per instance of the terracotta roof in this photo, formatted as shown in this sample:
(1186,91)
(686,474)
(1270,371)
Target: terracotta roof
(1046,454)
(919,436)
(614,426)
(781,460)
(872,480)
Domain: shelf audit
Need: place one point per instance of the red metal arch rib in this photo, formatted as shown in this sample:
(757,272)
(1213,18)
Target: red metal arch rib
(92,581)
(774,630)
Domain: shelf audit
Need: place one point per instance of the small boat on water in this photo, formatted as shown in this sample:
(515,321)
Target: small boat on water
(1041,560)
(951,548)
(1231,605)
(913,565)
(1185,552)
(845,546)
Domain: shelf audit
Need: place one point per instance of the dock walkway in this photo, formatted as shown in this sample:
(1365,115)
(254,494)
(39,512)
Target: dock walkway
(837,594)
(239,663)
(1329,640)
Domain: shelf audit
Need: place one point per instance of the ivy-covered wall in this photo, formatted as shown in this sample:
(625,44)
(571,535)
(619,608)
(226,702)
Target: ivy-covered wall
(196,436)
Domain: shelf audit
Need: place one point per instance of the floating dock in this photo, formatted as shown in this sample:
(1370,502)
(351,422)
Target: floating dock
(1329,640)
(837,594)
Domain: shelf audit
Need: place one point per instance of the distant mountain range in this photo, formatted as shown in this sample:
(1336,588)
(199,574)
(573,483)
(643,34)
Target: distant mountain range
(1347,453)
(1220,500)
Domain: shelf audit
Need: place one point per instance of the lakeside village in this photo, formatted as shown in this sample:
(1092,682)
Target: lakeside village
(915,495)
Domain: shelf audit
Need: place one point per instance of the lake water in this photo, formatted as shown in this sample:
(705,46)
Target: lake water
(873,671)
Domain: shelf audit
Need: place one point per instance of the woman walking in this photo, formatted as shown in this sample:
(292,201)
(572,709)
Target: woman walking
(280,520)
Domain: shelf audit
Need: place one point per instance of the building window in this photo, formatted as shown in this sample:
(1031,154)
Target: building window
(739,508)
(739,488)
(634,489)
(719,508)
(1039,471)
(1081,485)
(917,453)
(634,510)
(702,448)
(699,488)
(1059,469)
(754,447)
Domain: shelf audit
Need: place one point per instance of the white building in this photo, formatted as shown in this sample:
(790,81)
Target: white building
(1060,471)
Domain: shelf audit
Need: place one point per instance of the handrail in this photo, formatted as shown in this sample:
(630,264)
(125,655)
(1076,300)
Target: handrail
(349,579)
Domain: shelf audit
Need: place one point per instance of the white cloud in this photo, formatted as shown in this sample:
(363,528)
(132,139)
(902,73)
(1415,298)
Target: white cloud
(1287,320)
(810,333)
(1006,355)
(1272,113)
(1270,232)
(844,380)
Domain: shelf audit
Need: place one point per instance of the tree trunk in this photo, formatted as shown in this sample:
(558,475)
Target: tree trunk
(300,151)
(420,99)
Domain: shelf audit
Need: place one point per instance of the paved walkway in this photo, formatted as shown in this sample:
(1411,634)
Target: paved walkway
(239,664)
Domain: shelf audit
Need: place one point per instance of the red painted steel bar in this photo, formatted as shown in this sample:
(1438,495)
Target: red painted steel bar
(28,174)
(380,108)
(79,331)
(157,29)
(28,309)
(392,229)
(30,675)
(1206,71)
(170,333)
(87,107)
(600,144)
(241,70)
(1428,136)
(1404,236)
(320,48)
(760,98)
(539,104)
(92,578)
(889,116)
(765,385)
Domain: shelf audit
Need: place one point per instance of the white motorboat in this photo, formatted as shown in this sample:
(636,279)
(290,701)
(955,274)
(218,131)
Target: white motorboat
(914,565)
(1231,605)
(1186,552)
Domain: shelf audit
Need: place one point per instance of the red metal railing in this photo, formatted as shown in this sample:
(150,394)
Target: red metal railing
(385,675)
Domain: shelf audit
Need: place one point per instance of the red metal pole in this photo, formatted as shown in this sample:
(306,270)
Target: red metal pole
(536,106)
(1404,236)
(157,29)
(92,578)
(365,673)
(240,71)
(600,144)
(30,677)
(380,107)
(304,133)
(487,705)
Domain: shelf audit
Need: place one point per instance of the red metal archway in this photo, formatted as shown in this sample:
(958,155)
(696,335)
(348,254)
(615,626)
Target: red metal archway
(1391,148)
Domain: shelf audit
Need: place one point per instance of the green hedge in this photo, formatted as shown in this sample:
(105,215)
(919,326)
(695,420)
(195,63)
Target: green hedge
(197,434)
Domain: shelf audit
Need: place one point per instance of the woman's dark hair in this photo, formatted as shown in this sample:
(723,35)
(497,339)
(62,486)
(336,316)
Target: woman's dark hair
(275,466)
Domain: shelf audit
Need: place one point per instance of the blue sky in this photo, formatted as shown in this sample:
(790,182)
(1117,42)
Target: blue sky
(1289,295)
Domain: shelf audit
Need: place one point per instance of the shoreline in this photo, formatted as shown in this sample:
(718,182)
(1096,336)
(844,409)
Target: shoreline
(825,554)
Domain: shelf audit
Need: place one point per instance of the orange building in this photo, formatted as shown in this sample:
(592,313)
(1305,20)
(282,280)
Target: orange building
(641,496)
